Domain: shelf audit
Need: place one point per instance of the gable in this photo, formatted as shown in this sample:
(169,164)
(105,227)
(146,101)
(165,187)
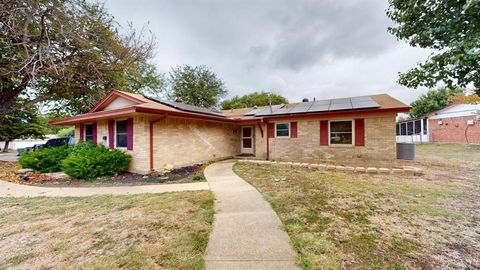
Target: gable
(118,103)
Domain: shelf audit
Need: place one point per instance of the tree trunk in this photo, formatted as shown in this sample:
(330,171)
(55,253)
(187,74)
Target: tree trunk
(5,149)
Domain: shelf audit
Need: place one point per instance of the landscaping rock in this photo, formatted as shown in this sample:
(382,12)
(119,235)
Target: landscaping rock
(349,169)
(57,176)
(397,171)
(384,171)
(168,168)
(372,170)
(340,168)
(359,169)
(330,167)
(24,171)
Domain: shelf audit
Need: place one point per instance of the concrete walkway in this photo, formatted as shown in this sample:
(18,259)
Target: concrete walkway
(246,231)
(8,189)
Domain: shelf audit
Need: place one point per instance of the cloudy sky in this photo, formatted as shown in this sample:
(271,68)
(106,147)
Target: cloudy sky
(321,49)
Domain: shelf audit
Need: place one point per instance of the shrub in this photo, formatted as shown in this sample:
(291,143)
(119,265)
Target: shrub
(89,161)
(45,160)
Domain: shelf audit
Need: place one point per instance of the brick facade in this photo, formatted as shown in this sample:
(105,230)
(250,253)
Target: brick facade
(380,144)
(454,130)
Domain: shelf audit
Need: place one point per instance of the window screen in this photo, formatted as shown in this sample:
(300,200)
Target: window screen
(341,132)
(122,133)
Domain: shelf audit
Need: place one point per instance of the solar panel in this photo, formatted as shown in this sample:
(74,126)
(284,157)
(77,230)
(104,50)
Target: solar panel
(363,98)
(189,108)
(340,100)
(340,106)
(364,104)
(269,110)
(255,111)
(322,102)
(319,108)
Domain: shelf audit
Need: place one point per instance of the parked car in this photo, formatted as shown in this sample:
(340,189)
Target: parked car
(55,142)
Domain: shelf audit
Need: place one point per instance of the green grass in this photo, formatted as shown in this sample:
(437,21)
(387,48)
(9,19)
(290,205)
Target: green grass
(166,231)
(341,221)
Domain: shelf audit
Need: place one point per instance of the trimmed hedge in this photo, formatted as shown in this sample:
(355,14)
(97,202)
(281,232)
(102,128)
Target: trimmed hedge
(45,160)
(89,161)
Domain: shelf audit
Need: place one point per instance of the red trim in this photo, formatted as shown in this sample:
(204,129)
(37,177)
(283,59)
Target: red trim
(130,134)
(293,129)
(151,141)
(111,133)
(324,132)
(329,114)
(93,116)
(115,93)
(360,132)
(94,132)
(82,132)
(260,127)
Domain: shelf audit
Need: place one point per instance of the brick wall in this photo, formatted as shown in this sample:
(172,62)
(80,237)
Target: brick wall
(452,130)
(380,143)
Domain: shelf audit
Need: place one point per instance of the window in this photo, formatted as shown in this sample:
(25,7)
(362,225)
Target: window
(122,133)
(409,128)
(398,129)
(341,132)
(403,129)
(89,133)
(282,130)
(418,127)
(424,126)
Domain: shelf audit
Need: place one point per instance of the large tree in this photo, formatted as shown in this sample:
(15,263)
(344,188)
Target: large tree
(24,124)
(69,52)
(452,29)
(432,101)
(253,99)
(198,86)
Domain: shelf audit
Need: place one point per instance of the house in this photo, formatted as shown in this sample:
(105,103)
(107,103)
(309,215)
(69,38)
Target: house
(456,123)
(159,132)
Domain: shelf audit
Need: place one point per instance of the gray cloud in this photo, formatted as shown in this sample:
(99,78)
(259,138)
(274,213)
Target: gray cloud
(323,49)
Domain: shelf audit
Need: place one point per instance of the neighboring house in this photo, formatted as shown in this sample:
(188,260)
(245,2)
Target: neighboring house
(159,132)
(458,123)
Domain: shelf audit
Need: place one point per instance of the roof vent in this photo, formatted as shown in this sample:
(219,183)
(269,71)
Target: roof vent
(179,100)
(305,100)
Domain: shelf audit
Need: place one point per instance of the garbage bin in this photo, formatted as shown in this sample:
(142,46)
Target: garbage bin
(406,151)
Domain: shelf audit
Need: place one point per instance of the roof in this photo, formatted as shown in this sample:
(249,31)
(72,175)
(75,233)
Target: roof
(142,104)
(455,110)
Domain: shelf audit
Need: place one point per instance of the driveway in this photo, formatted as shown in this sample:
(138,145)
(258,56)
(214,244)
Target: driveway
(246,231)
(10,156)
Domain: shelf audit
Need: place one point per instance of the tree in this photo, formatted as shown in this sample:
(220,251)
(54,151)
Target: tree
(432,101)
(452,29)
(461,98)
(197,86)
(69,52)
(24,124)
(253,99)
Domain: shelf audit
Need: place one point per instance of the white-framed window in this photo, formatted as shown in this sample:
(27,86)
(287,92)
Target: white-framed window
(341,132)
(121,133)
(89,132)
(282,130)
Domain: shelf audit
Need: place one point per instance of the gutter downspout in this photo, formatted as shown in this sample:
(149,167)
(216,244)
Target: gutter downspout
(151,140)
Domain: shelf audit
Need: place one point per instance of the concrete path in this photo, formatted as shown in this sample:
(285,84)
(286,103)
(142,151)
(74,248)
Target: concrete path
(8,189)
(10,156)
(246,231)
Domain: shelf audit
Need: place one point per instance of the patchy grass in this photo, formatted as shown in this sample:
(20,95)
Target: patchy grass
(347,221)
(459,155)
(155,231)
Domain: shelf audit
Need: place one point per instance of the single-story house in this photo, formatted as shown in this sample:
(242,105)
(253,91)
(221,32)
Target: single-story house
(456,123)
(159,132)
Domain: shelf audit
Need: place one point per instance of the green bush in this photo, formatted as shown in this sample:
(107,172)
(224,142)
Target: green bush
(45,160)
(89,161)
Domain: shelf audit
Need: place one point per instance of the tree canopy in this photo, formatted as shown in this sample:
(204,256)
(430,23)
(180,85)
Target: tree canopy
(24,124)
(197,86)
(452,29)
(433,100)
(253,99)
(69,52)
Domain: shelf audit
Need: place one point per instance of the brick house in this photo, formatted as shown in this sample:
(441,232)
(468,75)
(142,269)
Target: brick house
(458,123)
(160,132)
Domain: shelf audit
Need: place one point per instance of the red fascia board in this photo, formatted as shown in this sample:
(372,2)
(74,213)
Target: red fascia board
(92,116)
(110,95)
(337,113)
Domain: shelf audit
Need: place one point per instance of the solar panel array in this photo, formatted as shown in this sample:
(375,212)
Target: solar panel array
(327,105)
(186,107)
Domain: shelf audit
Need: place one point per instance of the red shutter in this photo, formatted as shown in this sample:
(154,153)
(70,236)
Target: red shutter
(130,134)
(360,132)
(293,129)
(270,130)
(324,132)
(82,132)
(111,133)
(94,131)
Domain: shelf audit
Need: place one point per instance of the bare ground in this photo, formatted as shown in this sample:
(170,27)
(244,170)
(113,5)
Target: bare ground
(347,221)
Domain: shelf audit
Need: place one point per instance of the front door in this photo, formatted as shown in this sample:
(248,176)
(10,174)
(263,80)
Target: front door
(247,140)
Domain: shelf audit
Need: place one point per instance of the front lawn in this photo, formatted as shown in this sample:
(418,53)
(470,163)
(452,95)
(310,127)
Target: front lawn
(155,231)
(347,221)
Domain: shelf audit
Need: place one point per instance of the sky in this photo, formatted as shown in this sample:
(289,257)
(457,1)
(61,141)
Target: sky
(299,49)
